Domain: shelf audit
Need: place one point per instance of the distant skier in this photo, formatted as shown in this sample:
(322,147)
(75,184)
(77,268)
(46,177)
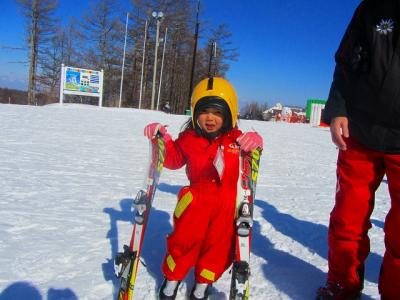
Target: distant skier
(363,110)
(203,235)
(166,108)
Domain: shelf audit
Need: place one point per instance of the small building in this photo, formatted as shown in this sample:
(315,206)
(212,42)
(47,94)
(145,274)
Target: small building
(291,114)
(273,113)
(314,111)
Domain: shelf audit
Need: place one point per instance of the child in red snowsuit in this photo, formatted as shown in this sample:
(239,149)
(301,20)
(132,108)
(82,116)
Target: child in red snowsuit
(203,235)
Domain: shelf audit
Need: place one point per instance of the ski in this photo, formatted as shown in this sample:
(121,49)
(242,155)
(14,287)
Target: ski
(126,262)
(246,188)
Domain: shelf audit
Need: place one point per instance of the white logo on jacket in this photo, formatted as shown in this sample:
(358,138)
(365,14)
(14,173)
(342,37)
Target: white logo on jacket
(385,26)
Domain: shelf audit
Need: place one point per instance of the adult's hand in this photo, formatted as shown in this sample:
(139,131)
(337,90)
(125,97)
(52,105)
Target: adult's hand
(339,129)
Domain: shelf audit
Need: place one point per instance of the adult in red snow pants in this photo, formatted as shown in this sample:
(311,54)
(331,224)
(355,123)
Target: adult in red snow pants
(359,173)
(203,234)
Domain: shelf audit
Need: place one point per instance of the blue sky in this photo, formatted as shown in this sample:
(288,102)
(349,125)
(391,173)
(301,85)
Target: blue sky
(286,47)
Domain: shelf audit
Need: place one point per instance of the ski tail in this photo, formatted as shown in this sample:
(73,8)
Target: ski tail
(248,173)
(127,262)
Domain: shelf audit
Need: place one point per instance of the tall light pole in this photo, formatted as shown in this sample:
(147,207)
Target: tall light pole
(162,67)
(158,16)
(123,61)
(144,55)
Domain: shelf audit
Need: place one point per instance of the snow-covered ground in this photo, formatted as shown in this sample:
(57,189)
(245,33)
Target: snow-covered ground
(67,178)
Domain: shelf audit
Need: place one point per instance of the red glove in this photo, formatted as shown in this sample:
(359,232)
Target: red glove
(151,130)
(250,141)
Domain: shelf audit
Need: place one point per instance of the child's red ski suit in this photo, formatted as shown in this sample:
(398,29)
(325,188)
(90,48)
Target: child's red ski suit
(203,234)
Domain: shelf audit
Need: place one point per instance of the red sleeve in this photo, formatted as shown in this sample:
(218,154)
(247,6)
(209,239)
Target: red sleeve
(236,133)
(175,158)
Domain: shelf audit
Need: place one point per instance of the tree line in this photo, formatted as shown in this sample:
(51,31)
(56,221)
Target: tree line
(12,96)
(95,40)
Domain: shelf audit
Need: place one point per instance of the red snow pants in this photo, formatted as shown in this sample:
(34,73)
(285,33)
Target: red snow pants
(359,174)
(203,235)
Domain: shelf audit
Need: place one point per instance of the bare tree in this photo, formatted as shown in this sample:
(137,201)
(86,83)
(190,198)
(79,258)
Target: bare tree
(177,18)
(41,24)
(50,65)
(253,110)
(101,37)
(60,50)
(224,50)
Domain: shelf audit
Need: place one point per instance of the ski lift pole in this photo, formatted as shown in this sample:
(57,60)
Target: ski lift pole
(162,67)
(141,75)
(123,61)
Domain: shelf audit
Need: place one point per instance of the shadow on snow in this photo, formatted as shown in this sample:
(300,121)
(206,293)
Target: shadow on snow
(167,188)
(287,272)
(25,290)
(153,244)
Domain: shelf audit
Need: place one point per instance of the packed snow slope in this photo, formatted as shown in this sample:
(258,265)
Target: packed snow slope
(67,178)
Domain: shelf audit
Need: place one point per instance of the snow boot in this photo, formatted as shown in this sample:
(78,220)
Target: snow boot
(200,291)
(334,291)
(169,289)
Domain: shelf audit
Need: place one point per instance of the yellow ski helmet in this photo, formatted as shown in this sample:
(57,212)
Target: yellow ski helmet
(215,88)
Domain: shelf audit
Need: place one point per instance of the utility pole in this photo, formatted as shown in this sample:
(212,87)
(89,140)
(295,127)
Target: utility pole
(158,16)
(196,36)
(144,55)
(162,67)
(123,61)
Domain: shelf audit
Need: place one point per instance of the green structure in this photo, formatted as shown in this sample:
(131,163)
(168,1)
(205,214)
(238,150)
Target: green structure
(310,102)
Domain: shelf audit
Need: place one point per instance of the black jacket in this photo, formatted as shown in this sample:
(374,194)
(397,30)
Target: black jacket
(366,81)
